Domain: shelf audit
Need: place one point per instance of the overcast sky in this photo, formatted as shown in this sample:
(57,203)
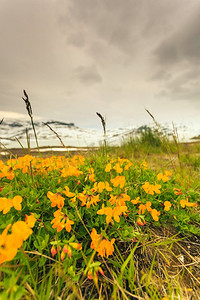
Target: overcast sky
(117,57)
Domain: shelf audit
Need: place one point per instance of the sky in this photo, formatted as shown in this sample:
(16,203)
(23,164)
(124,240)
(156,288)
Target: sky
(116,57)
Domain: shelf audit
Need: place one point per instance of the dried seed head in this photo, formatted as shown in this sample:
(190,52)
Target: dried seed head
(28,104)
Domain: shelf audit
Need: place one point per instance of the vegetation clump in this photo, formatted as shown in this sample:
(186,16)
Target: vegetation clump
(92,226)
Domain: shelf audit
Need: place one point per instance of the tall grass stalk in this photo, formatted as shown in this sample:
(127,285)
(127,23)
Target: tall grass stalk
(103,122)
(30,113)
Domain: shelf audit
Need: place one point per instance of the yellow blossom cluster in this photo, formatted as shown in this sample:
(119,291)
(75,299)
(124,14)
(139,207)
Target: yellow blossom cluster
(151,188)
(164,177)
(154,213)
(119,165)
(103,247)
(185,202)
(10,243)
(6,204)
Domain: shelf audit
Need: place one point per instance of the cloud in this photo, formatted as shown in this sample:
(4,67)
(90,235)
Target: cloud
(177,60)
(77,57)
(88,74)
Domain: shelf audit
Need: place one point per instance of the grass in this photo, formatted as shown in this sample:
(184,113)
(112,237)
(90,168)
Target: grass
(116,223)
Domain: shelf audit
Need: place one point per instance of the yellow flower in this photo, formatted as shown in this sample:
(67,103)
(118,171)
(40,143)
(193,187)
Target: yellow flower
(56,199)
(136,201)
(76,246)
(164,177)
(112,213)
(148,188)
(144,165)
(120,199)
(118,181)
(5,205)
(17,202)
(100,186)
(151,189)
(106,248)
(61,221)
(95,239)
(108,168)
(148,206)
(21,230)
(157,188)
(68,193)
(155,214)
(167,205)
(88,199)
(142,209)
(118,169)
(185,203)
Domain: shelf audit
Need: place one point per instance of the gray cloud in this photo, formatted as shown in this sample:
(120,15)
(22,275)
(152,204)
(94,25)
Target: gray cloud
(177,59)
(88,74)
(78,57)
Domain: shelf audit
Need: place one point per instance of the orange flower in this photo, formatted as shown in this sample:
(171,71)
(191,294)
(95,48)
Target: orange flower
(141,222)
(128,165)
(142,209)
(70,171)
(91,175)
(118,169)
(30,220)
(157,188)
(68,193)
(106,248)
(120,199)
(164,177)
(144,165)
(95,238)
(155,214)
(5,205)
(68,250)
(106,211)
(56,199)
(177,191)
(76,246)
(88,199)
(61,221)
(17,202)
(118,181)
(100,186)
(53,251)
(21,230)
(112,213)
(108,168)
(148,206)
(93,273)
(185,203)
(68,224)
(167,205)
(136,201)
(151,189)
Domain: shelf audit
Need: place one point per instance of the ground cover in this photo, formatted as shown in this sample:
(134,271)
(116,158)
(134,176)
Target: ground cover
(100,226)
